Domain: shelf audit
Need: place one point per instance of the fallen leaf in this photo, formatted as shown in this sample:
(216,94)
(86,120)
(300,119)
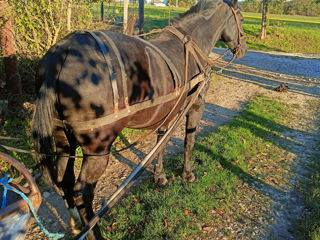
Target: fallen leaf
(206,228)
(220,212)
(136,200)
(156,189)
(108,228)
(264,154)
(115,224)
(219,166)
(166,222)
(174,205)
(186,212)
(273,180)
(205,173)
(131,230)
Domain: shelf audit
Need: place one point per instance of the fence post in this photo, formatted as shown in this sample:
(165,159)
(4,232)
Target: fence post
(125,14)
(69,9)
(13,82)
(102,11)
(141,16)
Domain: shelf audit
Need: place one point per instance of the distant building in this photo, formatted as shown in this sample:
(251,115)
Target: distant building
(161,3)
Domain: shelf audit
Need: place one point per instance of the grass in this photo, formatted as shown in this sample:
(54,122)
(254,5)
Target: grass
(308,228)
(223,161)
(284,36)
(18,126)
(284,17)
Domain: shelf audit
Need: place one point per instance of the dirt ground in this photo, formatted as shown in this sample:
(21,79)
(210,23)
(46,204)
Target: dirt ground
(227,95)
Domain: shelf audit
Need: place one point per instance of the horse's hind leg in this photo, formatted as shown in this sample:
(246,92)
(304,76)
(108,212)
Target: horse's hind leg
(92,168)
(93,143)
(159,175)
(193,118)
(66,145)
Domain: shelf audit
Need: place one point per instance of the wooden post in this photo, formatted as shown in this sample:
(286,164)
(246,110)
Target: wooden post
(69,9)
(13,82)
(264,19)
(125,14)
(169,17)
(102,11)
(141,16)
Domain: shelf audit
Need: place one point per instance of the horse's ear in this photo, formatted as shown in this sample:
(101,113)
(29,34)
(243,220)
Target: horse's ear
(234,3)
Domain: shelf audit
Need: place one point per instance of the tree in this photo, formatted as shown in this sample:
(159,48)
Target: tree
(8,51)
(264,19)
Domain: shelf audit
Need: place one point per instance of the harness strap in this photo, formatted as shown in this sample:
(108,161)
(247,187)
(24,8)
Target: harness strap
(102,121)
(176,75)
(123,72)
(106,55)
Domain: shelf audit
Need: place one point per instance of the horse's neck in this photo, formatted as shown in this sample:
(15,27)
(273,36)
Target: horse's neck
(205,32)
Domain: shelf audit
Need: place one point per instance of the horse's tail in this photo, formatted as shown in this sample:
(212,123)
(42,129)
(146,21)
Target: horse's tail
(42,123)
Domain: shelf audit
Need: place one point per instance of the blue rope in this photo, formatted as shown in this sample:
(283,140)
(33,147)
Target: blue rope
(4,181)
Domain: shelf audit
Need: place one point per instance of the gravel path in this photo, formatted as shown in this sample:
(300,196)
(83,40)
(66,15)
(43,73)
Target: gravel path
(256,73)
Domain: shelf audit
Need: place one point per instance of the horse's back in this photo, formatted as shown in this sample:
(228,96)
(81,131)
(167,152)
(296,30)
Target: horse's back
(84,78)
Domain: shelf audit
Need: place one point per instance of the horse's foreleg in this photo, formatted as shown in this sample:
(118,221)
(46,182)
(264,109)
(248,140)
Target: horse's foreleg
(159,175)
(193,118)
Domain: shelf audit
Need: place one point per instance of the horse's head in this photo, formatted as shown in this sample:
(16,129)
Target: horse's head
(232,33)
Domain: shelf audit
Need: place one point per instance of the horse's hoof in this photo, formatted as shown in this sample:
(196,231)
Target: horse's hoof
(161,180)
(188,177)
(75,221)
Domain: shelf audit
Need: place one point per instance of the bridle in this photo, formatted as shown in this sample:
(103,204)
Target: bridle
(241,33)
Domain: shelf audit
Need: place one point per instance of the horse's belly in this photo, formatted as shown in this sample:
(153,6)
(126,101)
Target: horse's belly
(153,117)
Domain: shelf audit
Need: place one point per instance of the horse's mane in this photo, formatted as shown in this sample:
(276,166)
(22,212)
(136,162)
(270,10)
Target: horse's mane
(200,6)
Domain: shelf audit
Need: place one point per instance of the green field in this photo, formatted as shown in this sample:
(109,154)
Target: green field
(283,17)
(284,36)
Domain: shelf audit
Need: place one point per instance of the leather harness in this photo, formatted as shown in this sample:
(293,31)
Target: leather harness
(190,47)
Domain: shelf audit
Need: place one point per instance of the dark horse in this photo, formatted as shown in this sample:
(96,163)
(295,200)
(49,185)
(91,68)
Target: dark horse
(97,83)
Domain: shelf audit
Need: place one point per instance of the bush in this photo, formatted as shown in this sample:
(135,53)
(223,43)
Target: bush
(38,25)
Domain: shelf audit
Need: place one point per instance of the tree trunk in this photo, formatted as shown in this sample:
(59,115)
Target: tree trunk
(177,3)
(13,82)
(264,19)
